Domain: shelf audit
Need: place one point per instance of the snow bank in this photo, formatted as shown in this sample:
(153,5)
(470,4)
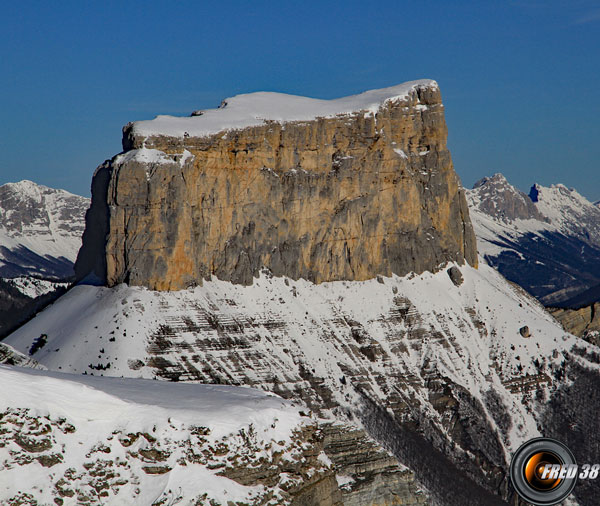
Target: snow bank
(223,409)
(105,441)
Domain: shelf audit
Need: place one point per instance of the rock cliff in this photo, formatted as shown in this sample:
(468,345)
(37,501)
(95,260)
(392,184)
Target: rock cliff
(583,322)
(304,215)
(361,186)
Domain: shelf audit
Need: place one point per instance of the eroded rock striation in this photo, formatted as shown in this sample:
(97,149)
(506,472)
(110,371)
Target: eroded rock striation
(365,187)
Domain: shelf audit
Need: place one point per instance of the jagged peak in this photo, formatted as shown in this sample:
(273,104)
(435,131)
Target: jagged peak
(557,191)
(496,178)
(556,207)
(496,197)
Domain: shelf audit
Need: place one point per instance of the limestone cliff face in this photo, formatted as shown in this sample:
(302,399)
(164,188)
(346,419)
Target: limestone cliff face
(583,322)
(345,197)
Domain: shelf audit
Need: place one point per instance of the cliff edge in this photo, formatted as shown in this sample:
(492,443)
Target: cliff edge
(323,190)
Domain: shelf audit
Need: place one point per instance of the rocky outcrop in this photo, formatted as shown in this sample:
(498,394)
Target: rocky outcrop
(269,456)
(352,470)
(583,322)
(365,473)
(343,197)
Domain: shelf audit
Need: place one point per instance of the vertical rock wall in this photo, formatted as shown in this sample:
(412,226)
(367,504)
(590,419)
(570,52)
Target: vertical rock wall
(345,197)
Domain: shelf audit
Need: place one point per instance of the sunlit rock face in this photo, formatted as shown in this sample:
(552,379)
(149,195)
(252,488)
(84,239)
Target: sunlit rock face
(317,234)
(347,196)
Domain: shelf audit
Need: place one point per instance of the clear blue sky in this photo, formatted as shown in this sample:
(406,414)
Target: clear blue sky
(520,79)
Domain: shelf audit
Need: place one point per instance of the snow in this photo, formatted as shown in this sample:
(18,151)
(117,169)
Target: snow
(52,230)
(98,409)
(143,155)
(223,409)
(33,287)
(253,109)
(490,231)
(344,480)
(28,189)
(152,156)
(566,207)
(568,213)
(80,323)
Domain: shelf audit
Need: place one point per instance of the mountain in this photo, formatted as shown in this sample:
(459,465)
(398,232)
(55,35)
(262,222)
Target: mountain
(322,251)
(140,442)
(40,230)
(548,241)
(449,362)
(40,235)
(312,189)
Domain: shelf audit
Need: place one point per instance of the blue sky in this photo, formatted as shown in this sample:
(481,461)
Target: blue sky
(520,79)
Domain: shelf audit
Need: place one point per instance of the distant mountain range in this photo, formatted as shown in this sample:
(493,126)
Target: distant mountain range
(40,235)
(40,230)
(548,241)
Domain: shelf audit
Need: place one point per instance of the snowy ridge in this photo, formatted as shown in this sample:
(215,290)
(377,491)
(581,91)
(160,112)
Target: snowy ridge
(114,441)
(253,109)
(492,203)
(555,209)
(40,229)
(568,211)
(548,241)
(32,287)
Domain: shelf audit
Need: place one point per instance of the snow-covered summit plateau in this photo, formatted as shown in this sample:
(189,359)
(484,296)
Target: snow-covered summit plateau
(253,109)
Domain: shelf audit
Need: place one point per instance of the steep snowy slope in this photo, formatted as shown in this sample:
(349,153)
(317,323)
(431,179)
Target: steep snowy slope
(40,230)
(69,440)
(548,241)
(450,359)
